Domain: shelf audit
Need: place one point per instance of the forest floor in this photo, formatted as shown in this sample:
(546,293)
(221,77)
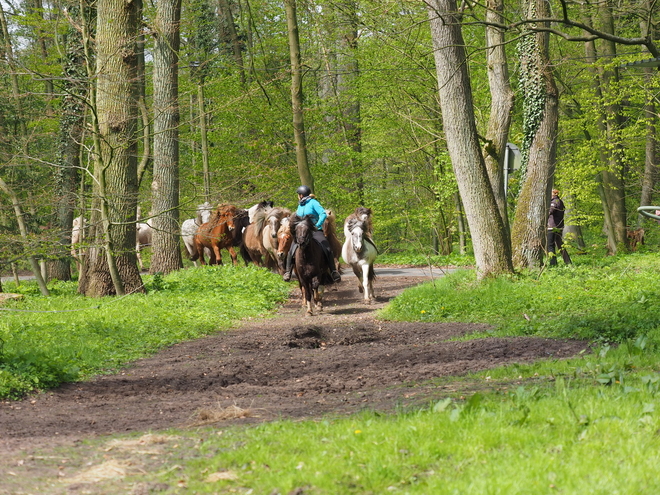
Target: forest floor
(288,366)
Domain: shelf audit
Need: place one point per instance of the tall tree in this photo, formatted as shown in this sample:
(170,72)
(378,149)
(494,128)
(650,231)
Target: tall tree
(165,185)
(501,105)
(490,243)
(297,95)
(112,262)
(67,172)
(541,106)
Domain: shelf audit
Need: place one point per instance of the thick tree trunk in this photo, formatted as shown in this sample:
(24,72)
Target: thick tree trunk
(165,186)
(490,243)
(304,172)
(500,107)
(530,221)
(112,268)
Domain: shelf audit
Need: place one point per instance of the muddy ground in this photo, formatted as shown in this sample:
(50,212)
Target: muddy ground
(288,366)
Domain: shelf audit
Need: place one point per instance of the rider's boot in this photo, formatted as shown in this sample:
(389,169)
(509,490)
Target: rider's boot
(289,263)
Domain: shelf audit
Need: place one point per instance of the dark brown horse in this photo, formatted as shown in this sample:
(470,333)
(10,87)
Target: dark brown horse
(310,263)
(217,234)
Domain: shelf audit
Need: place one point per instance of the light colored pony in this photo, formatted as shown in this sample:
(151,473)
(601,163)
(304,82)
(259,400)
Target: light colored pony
(272,224)
(190,226)
(359,251)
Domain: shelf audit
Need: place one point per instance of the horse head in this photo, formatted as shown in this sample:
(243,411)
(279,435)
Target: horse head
(284,239)
(225,215)
(301,229)
(356,228)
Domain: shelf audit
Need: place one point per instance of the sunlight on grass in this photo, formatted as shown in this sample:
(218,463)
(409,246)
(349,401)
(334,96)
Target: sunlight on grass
(64,337)
(610,303)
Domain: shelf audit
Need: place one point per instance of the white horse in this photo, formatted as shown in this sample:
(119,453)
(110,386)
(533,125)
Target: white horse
(142,238)
(360,252)
(190,226)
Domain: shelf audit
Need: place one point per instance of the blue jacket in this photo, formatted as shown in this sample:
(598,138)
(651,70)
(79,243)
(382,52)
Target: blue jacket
(310,206)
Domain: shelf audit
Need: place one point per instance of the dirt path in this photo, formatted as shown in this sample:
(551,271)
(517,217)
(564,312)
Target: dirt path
(290,366)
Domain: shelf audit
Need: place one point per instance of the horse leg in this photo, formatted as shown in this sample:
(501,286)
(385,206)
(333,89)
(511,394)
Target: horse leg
(358,274)
(366,283)
(370,276)
(309,295)
(318,298)
(232,253)
(217,255)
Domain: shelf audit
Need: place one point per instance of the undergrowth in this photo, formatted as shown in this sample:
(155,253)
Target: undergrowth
(610,301)
(45,341)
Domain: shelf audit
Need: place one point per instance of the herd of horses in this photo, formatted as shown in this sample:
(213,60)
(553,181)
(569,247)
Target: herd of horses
(263,235)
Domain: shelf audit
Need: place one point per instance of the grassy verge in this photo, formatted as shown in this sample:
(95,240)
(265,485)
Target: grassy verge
(48,340)
(612,301)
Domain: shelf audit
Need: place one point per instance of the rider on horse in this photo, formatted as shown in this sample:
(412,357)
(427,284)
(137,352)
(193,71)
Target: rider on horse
(308,205)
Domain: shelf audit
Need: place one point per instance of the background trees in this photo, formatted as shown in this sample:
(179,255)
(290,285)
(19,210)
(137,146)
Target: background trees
(372,117)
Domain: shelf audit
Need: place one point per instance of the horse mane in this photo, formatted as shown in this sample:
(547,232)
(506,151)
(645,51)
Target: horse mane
(278,213)
(222,211)
(361,214)
(259,220)
(330,233)
(295,219)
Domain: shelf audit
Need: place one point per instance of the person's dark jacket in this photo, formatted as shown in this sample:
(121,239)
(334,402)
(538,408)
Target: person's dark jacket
(556,213)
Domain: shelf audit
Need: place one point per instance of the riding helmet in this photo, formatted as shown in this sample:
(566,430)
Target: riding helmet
(304,190)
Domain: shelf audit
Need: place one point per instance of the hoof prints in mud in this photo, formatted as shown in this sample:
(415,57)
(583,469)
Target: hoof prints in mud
(315,337)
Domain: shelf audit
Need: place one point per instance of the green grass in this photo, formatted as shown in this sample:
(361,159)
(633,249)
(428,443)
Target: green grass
(617,300)
(415,258)
(586,425)
(65,337)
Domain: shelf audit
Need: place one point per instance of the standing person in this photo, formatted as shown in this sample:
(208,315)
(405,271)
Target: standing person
(309,205)
(555,228)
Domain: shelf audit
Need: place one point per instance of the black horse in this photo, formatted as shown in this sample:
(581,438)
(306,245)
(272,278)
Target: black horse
(311,264)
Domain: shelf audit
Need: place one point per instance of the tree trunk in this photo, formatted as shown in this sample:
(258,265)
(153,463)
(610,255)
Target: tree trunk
(613,177)
(304,172)
(347,79)
(501,105)
(491,246)
(231,36)
(204,140)
(651,159)
(540,92)
(67,173)
(165,186)
(112,263)
(142,104)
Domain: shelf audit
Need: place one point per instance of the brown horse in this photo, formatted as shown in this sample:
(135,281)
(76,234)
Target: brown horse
(217,234)
(310,263)
(284,241)
(330,233)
